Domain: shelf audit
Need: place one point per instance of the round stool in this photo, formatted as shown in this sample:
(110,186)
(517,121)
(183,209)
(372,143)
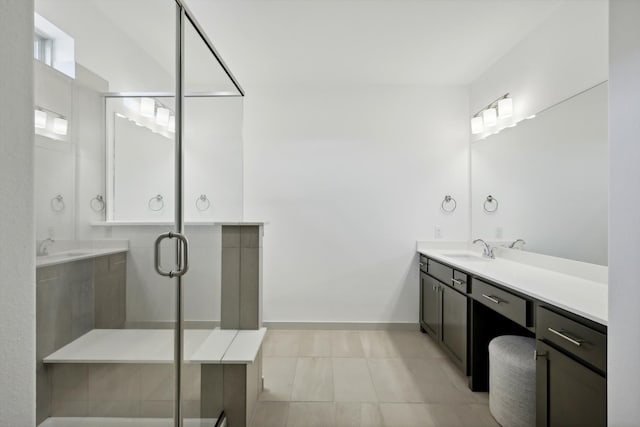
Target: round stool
(512,381)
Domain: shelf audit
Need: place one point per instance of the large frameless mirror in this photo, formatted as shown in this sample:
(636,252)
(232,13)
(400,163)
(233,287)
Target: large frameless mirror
(546,180)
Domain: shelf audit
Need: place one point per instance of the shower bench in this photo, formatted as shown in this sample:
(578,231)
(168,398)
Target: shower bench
(229,361)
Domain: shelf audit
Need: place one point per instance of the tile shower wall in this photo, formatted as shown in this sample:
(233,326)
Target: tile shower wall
(72,299)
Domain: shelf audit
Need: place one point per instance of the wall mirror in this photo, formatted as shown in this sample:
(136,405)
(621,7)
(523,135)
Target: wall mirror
(549,175)
(139,141)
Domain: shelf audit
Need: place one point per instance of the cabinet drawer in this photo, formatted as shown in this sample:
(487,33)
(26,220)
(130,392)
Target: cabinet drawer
(505,303)
(440,271)
(579,340)
(460,282)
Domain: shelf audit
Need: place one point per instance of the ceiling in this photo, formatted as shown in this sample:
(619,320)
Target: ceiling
(296,42)
(350,42)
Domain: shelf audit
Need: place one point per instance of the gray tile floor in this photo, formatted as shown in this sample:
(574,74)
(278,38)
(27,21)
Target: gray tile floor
(363,379)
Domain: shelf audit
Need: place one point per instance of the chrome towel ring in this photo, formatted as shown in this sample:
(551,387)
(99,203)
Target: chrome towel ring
(97,203)
(449,204)
(57,203)
(159,203)
(488,203)
(203,203)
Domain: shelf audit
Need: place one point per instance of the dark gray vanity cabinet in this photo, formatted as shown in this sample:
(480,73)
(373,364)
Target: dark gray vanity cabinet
(430,306)
(463,312)
(110,283)
(570,372)
(454,325)
(568,393)
(444,310)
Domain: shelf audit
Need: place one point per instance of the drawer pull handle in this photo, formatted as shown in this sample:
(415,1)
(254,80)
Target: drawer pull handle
(576,341)
(492,299)
(422,264)
(457,282)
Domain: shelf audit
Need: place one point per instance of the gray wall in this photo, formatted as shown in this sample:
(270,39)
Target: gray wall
(17,253)
(624,223)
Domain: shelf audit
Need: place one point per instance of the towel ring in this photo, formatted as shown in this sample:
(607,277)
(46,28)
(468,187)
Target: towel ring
(159,200)
(97,203)
(203,203)
(447,201)
(57,203)
(488,202)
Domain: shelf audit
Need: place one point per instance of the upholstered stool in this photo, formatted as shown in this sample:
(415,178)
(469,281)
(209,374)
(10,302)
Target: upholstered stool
(512,381)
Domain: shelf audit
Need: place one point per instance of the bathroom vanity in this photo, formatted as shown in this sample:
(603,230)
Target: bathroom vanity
(467,300)
(77,291)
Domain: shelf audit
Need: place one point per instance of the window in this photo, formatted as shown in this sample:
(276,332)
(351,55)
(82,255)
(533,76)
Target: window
(43,49)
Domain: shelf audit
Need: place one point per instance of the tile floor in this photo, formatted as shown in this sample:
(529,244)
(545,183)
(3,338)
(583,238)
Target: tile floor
(363,379)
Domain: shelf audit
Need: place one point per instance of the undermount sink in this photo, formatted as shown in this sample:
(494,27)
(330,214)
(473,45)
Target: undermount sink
(467,257)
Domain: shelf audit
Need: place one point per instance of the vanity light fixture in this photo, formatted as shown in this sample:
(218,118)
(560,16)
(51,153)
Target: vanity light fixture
(488,117)
(147,107)
(162,116)
(40,119)
(60,126)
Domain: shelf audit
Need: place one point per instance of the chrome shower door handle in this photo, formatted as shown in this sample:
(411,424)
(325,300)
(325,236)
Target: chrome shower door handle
(183,250)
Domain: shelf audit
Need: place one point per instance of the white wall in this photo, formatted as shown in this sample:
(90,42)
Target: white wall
(17,252)
(565,55)
(347,179)
(624,227)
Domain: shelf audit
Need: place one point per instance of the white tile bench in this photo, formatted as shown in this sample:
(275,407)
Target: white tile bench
(229,360)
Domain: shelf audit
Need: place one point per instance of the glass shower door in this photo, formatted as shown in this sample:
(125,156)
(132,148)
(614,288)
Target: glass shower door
(212,193)
(105,189)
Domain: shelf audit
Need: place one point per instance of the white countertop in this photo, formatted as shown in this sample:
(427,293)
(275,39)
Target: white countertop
(577,295)
(76,255)
(205,346)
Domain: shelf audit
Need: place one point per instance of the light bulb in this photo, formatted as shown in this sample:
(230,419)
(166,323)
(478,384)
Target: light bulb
(505,108)
(40,118)
(162,116)
(147,107)
(132,104)
(60,126)
(477,126)
(490,117)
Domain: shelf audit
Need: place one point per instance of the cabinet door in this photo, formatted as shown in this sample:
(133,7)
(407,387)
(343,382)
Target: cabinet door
(430,305)
(454,325)
(569,394)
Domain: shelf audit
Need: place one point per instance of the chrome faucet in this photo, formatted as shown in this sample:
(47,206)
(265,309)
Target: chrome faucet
(488,251)
(515,243)
(43,248)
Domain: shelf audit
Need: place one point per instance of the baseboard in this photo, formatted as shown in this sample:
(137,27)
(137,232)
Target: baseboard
(212,324)
(360,326)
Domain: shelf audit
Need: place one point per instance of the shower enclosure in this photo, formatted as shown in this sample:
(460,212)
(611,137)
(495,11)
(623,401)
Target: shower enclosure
(138,156)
